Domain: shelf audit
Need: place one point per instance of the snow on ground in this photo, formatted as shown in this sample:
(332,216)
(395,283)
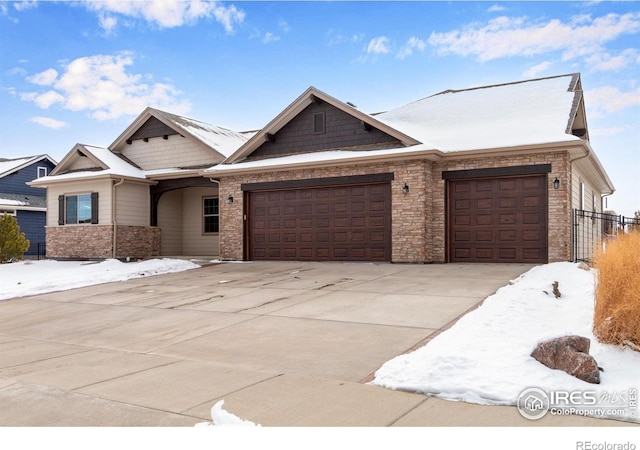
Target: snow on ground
(36,277)
(222,418)
(485,357)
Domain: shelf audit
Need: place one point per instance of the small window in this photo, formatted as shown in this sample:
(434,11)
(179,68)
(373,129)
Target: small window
(211,214)
(318,123)
(11,212)
(582,195)
(42,172)
(594,203)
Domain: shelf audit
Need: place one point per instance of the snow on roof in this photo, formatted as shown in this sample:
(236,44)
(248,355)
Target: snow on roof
(10,165)
(114,165)
(220,139)
(9,202)
(320,157)
(509,115)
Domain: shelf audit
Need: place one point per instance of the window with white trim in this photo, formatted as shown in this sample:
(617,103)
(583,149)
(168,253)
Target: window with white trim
(211,215)
(42,172)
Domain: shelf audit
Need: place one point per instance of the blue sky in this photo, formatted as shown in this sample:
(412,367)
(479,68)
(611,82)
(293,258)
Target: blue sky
(82,71)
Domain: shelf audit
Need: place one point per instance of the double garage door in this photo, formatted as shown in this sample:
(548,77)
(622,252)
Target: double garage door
(329,223)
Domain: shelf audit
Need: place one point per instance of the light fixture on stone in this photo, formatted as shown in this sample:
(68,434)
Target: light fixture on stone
(405,189)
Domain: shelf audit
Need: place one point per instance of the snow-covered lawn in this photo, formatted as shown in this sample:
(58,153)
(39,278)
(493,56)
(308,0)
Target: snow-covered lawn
(484,358)
(37,277)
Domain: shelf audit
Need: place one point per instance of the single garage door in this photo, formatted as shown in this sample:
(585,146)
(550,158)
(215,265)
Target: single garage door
(498,220)
(334,223)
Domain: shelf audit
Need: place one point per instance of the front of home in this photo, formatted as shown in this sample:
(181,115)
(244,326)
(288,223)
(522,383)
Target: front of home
(488,174)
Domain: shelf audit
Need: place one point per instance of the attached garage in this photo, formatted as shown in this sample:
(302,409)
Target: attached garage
(332,219)
(498,219)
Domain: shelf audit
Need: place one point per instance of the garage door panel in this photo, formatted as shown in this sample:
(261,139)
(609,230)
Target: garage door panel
(498,219)
(325,223)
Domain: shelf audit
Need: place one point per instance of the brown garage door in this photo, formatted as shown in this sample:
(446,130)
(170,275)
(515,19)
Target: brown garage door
(336,223)
(498,220)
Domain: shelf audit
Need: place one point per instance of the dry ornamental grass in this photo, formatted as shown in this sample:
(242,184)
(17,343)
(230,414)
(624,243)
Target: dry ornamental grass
(617,303)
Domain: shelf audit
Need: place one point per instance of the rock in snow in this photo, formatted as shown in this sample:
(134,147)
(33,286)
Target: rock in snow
(569,354)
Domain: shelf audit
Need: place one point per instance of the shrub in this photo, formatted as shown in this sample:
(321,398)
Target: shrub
(13,244)
(617,309)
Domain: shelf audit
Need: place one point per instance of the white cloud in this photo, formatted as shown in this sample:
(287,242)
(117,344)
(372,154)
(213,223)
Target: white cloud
(48,122)
(338,38)
(412,44)
(534,71)
(608,99)
(518,36)
(108,23)
(45,78)
(284,26)
(270,37)
(496,8)
(378,45)
(25,4)
(604,62)
(101,85)
(166,13)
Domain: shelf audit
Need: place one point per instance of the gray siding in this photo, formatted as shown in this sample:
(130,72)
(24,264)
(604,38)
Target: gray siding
(342,131)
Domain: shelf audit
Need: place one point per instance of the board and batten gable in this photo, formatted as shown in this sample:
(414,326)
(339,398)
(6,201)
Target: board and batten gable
(320,127)
(173,152)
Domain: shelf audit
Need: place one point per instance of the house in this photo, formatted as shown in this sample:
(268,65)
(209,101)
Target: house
(486,174)
(25,203)
(114,202)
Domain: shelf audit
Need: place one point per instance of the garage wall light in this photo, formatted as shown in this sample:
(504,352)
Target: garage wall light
(556,183)
(405,189)
(230,199)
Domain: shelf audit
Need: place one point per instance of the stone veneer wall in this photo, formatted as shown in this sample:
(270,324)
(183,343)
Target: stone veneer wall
(137,242)
(409,213)
(80,241)
(418,218)
(95,242)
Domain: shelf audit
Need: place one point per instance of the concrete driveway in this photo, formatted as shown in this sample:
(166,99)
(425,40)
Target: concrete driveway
(283,343)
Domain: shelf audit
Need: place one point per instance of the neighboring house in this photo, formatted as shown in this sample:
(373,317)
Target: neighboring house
(25,203)
(142,197)
(487,174)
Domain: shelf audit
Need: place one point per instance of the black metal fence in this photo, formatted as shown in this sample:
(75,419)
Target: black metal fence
(42,250)
(592,229)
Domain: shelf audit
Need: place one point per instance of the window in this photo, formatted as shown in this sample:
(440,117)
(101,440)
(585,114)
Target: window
(582,205)
(11,212)
(211,214)
(78,209)
(42,172)
(318,123)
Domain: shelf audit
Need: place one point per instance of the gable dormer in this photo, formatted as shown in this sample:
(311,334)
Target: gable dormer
(317,122)
(321,127)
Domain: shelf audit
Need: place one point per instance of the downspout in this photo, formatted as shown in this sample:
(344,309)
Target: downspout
(113,214)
